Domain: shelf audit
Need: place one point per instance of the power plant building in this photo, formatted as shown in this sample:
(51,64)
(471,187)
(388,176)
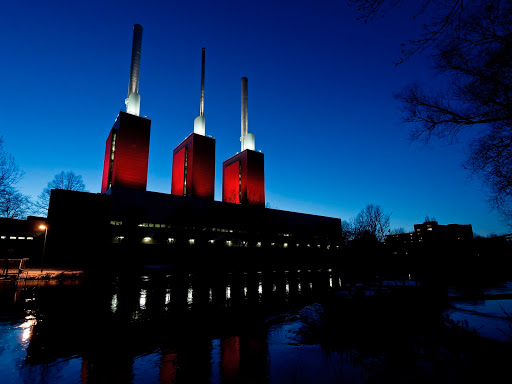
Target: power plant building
(126,222)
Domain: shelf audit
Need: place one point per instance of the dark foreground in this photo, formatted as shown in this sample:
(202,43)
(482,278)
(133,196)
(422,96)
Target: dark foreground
(302,326)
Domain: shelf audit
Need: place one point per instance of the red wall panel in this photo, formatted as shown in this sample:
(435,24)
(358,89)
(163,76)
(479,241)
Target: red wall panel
(178,172)
(106,163)
(230,183)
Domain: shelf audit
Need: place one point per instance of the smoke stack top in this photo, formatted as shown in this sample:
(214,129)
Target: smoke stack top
(133,100)
(247,139)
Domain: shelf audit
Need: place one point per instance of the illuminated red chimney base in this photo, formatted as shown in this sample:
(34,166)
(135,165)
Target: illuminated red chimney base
(243,178)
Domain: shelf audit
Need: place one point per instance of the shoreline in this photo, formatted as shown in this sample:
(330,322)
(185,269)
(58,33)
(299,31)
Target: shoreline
(51,274)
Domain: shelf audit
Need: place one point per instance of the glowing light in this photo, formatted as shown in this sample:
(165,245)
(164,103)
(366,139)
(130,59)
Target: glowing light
(42,226)
(228,243)
(30,321)
(228,292)
(210,295)
(330,281)
(285,245)
(146,239)
(258,244)
(190,295)
(142,299)
(167,296)
(260,288)
(191,241)
(113,303)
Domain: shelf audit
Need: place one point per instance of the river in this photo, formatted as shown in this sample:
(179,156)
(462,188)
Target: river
(258,327)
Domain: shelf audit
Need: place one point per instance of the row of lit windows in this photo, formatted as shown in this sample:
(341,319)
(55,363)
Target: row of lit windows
(17,238)
(229,243)
(153,225)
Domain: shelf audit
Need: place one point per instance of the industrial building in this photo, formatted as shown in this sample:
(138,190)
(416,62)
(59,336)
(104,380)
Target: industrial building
(127,223)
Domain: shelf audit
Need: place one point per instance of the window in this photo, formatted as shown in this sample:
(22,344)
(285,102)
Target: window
(171,240)
(191,241)
(30,238)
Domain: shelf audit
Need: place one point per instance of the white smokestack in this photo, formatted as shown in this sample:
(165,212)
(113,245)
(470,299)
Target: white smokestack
(133,100)
(247,139)
(199,122)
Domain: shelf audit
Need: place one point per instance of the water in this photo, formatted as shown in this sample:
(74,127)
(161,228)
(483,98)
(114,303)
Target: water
(270,327)
(485,309)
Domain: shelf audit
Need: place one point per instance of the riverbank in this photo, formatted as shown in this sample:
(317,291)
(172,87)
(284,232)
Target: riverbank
(51,274)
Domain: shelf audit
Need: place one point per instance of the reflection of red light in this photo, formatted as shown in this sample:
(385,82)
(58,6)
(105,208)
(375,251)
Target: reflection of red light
(230,357)
(168,365)
(252,179)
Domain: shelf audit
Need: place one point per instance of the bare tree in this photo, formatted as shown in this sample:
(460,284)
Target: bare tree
(64,180)
(371,222)
(471,44)
(347,231)
(14,205)
(397,231)
(10,173)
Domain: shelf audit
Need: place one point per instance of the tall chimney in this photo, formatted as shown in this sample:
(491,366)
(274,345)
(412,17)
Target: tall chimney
(245,108)
(133,100)
(247,139)
(199,121)
(201,107)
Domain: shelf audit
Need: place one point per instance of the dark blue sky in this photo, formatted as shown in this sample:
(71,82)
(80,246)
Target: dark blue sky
(320,100)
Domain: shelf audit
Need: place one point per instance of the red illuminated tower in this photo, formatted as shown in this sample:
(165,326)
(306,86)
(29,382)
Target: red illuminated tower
(243,175)
(127,153)
(193,160)
(127,147)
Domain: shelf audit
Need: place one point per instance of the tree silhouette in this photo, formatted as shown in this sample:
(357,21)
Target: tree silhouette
(470,43)
(371,223)
(13,204)
(64,180)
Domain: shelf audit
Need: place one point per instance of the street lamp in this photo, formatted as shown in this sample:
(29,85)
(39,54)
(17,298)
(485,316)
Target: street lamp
(44,244)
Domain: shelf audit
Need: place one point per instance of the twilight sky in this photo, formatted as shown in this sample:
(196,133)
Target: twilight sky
(321,101)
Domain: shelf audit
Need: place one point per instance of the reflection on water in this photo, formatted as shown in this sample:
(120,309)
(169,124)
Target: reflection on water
(167,328)
(258,327)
